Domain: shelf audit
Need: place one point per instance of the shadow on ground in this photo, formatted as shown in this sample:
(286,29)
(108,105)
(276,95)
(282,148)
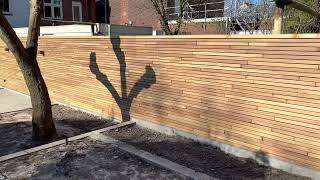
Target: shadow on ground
(16,127)
(200,157)
(84,159)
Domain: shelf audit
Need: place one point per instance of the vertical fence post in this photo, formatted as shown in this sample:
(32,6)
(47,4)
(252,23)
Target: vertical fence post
(205,17)
(278,19)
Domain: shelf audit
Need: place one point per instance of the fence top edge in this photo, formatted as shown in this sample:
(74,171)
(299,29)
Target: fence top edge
(271,36)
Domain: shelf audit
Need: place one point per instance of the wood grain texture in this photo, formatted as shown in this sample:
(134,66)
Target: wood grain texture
(259,93)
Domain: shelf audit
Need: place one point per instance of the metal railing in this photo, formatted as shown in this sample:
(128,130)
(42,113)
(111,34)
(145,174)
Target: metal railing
(191,11)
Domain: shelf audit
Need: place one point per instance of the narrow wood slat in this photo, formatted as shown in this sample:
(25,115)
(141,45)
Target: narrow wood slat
(259,93)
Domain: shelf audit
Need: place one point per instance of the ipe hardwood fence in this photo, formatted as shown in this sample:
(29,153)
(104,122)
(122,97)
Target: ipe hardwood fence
(259,93)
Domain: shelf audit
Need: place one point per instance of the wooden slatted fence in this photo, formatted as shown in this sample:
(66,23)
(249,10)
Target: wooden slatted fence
(259,93)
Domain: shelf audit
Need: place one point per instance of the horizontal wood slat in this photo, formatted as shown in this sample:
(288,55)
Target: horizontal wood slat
(260,93)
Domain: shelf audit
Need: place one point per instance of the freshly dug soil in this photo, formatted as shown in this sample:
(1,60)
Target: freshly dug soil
(202,158)
(84,159)
(16,127)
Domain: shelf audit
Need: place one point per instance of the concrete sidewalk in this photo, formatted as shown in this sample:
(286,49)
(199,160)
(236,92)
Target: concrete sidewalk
(13,101)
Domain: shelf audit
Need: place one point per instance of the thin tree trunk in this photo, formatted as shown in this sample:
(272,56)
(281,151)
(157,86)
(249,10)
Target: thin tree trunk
(42,123)
(160,8)
(278,20)
(43,126)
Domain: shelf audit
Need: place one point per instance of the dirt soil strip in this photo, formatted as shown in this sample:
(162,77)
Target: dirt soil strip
(85,159)
(56,143)
(153,158)
(16,127)
(200,157)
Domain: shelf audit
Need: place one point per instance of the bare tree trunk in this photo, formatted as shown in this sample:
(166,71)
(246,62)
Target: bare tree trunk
(165,27)
(160,8)
(43,126)
(42,123)
(278,19)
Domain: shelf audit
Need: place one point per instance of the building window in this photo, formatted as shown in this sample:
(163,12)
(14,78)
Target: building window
(6,6)
(53,9)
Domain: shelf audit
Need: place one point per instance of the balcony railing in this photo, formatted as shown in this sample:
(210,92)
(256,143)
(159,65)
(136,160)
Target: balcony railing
(198,11)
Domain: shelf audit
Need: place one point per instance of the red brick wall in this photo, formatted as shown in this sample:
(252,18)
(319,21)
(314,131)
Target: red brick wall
(140,12)
(199,28)
(119,11)
(124,8)
(115,12)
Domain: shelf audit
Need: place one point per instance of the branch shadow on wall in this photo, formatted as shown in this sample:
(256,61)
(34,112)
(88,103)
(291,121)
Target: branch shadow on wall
(125,100)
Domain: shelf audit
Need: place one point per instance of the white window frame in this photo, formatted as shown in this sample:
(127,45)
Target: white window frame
(10,10)
(79,4)
(52,9)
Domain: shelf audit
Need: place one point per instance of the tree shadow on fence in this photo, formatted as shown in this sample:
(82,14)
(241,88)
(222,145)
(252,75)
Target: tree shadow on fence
(125,100)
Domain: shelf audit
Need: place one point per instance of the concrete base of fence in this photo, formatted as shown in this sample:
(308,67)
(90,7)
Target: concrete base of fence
(265,160)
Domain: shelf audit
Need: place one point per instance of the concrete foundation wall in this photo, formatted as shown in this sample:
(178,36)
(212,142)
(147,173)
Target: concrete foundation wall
(65,30)
(117,30)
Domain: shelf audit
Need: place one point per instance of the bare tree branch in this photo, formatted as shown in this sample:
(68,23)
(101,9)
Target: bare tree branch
(299,6)
(180,18)
(160,7)
(302,7)
(36,7)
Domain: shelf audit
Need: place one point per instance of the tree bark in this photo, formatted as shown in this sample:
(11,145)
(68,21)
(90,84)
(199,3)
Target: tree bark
(42,123)
(160,7)
(278,19)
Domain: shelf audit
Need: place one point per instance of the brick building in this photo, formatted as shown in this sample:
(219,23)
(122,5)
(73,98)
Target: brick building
(141,13)
(70,10)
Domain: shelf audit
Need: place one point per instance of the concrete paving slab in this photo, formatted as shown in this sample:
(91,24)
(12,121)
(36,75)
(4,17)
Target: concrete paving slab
(162,162)
(13,101)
